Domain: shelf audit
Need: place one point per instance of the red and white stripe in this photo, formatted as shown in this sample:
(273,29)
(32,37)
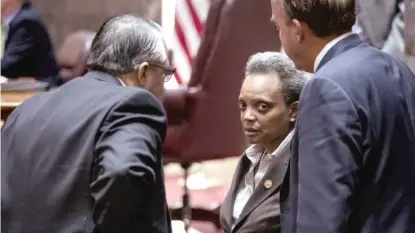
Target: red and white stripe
(189,19)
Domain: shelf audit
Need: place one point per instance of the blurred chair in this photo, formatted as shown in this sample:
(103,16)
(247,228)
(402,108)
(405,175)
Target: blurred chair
(73,54)
(203,116)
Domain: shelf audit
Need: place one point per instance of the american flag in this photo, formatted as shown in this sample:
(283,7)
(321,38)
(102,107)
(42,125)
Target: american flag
(190,16)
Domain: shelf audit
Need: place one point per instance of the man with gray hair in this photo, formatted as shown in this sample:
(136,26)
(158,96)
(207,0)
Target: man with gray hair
(86,157)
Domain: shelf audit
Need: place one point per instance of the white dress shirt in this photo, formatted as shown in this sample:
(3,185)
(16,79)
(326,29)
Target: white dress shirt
(252,179)
(327,47)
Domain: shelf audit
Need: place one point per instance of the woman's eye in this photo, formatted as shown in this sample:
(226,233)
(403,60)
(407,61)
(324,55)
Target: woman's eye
(263,107)
(242,105)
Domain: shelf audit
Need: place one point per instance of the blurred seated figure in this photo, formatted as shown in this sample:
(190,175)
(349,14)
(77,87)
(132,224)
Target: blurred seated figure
(409,35)
(28,51)
(374,20)
(268,108)
(382,25)
(74,53)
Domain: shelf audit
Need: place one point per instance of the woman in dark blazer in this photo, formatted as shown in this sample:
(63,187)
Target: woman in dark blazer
(268,108)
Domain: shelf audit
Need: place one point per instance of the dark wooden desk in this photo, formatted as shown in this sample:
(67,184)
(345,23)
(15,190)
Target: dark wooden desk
(14,92)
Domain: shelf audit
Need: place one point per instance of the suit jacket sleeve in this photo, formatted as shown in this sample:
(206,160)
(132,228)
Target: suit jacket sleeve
(329,138)
(21,47)
(127,160)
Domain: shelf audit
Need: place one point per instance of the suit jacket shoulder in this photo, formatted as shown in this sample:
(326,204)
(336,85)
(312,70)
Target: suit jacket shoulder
(102,143)
(132,100)
(27,18)
(28,49)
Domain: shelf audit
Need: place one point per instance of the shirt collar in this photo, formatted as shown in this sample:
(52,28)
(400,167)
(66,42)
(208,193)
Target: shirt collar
(327,47)
(254,152)
(122,82)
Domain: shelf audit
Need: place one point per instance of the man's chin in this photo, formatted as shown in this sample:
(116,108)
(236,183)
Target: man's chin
(252,139)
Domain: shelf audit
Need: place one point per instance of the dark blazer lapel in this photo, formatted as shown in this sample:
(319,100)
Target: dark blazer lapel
(347,43)
(227,205)
(275,175)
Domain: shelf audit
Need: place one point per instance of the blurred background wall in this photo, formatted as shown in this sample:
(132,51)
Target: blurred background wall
(63,17)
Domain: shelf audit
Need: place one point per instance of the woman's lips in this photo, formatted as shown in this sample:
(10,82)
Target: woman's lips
(251,132)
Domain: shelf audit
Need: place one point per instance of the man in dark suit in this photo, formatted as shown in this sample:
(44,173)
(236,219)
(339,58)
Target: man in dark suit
(28,51)
(86,157)
(353,153)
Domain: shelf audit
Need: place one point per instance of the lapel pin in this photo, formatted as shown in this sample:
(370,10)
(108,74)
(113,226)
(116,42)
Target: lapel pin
(268,184)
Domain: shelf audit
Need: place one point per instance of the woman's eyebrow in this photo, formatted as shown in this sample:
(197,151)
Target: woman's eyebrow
(270,101)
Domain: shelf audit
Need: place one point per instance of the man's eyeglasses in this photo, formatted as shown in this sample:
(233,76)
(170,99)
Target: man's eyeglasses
(168,71)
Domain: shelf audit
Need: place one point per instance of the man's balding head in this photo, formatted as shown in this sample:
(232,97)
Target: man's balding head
(132,49)
(125,41)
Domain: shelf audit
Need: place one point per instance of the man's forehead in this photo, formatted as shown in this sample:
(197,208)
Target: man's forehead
(277,10)
(274,3)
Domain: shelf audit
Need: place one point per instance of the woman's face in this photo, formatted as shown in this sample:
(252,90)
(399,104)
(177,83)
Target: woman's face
(264,115)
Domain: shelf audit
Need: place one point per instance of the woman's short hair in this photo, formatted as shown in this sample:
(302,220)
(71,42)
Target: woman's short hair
(293,80)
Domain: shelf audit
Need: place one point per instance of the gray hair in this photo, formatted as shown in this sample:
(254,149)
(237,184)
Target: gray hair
(125,41)
(293,80)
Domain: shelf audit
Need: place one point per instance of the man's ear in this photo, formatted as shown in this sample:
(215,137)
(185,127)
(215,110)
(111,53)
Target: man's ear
(142,74)
(293,109)
(299,30)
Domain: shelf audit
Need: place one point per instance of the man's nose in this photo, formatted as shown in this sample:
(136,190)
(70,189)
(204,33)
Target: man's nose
(249,115)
